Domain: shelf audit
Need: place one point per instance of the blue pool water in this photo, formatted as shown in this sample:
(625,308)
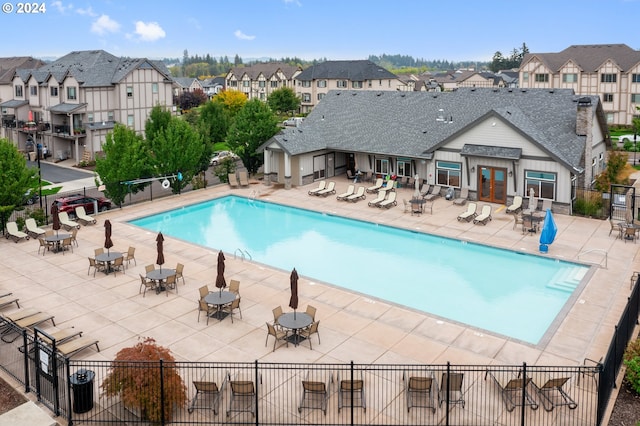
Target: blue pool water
(502,291)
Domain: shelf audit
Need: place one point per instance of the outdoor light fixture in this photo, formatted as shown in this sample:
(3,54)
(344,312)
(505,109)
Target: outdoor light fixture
(473,169)
(510,173)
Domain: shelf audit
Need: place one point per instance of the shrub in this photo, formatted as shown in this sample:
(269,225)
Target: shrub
(587,207)
(222,170)
(38,215)
(632,362)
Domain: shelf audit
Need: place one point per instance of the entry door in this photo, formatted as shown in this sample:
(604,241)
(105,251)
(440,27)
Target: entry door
(492,184)
(331,165)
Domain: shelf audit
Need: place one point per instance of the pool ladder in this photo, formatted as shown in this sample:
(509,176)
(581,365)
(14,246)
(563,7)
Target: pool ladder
(243,254)
(602,251)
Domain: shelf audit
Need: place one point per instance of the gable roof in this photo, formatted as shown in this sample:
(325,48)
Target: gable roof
(8,66)
(349,70)
(588,57)
(416,124)
(268,69)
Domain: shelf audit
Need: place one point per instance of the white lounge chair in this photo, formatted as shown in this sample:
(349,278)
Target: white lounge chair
(322,185)
(380,198)
(435,193)
(516,204)
(469,214)
(83,217)
(330,189)
(359,195)
(484,216)
(32,228)
(377,186)
(14,233)
(350,191)
(389,202)
(67,223)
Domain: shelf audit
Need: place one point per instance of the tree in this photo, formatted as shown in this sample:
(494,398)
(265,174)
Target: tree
(283,100)
(213,122)
(232,100)
(16,179)
(254,124)
(159,119)
(126,158)
(616,162)
(188,100)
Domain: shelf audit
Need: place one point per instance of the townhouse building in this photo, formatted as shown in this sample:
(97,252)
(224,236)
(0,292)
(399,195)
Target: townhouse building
(70,105)
(261,79)
(610,71)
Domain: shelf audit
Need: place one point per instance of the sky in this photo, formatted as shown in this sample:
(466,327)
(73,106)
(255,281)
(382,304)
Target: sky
(315,29)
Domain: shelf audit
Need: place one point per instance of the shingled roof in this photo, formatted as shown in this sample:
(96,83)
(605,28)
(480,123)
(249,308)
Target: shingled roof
(416,124)
(268,69)
(8,66)
(350,70)
(589,57)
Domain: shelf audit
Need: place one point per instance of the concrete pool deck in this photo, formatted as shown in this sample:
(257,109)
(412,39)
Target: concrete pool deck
(353,326)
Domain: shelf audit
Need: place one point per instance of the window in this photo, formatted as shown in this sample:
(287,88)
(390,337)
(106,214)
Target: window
(274,84)
(19,91)
(154,87)
(245,83)
(262,83)
(635,78)
(130,120)
(356,84)
(233,83)
(129,91)
(525,76)
(382,166)
(110,116)
(306,97)
(71,93)
(33,90)
(543,183)
(341,84)
(404,168)
(306,83)
(607,97)
(542,78)
(635,98)
(322,83)
(608,78)
(569,78)
(609,117)
(53,90)
(448,174)
(90,117)
(320,96)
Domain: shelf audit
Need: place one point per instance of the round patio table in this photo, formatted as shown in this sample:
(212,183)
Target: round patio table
(219,299)
(295,321)
(57,238)
(107,258)
(159,275)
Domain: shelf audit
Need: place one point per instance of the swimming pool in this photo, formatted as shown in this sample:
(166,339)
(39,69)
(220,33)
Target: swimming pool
(502,291)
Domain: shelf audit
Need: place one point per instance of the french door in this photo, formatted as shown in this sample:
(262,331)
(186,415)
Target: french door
(492,184)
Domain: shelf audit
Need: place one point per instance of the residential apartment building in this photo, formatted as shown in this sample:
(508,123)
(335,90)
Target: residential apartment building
(261,79)
(314,83)
(610,71)
(186,84)
(71,104)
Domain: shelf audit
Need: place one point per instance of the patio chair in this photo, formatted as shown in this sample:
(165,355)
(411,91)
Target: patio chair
(230,307)
(516,205)
(179,272)
(32,228)
(233,180)
(117,265)
(67,223)
(407,205)
(243,396)
(311,311)
(351,391)
(376,187)
(518,219)
(171,284)
(321,185)
(98,251)
(462,198)
(315,391)
(145,284)
(550,392)
(234,287)
(14,233)
(435,193)
(74,236)
(512,390)
(203,306)
(208,392)
(306,333)
(330,189)
(97,266)
(67,244)
(131,255)
(350,190)
(359,195)
(382,193)
(389,202)
(469,214)
(279,335)
(44,245)
(243,177)
(451,389)
(615,226)
(83,217)
(484,216)
(592,368)
(630,233)
(419,390)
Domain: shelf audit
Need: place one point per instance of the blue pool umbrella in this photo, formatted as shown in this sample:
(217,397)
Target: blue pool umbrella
(549,230)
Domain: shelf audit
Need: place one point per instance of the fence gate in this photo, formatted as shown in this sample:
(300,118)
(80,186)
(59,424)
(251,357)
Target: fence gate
(622,203)
(48,367)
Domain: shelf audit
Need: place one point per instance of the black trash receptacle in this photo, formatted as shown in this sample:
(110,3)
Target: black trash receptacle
(82,386)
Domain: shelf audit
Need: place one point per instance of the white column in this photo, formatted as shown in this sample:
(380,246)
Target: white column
(287,171)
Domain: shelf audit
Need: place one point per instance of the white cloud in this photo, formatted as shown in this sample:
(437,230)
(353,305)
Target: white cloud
(242,36)
(61,7)
(104,24)
(88,12)
(151,31)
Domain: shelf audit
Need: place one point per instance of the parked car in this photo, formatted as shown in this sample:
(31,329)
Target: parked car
(69,204)
(219,156)
(293,121)
(30,197)
(626,138)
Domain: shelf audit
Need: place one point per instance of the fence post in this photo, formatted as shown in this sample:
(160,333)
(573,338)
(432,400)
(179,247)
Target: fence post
(69,403)
(257,377)
(524,392)
(447,392)
(351,391)
(25,345)
(162,393)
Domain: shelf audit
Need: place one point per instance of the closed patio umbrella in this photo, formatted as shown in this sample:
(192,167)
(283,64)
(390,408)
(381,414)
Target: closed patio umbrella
(107,235)
(293,301)
(416,193)
(159,245)
(220,282)
(55,217)
(548,233)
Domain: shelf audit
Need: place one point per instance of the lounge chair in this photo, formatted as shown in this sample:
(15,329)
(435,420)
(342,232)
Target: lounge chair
(32,228)
(382,194)
(8,299)
(330,189)
(389,202)
(516,205)
(359,195)
(77,345)
(512,390)
(14,233)
(451,389)
(321,185)
(211,394)
(83,217)
(469,214)
(419,390)
(532,207)
(67,223)
(243,177)
(462,198)
(351,391)
(435,193)
(484,216)
(315,391)
(424,190)
(376,187)
(233,182)
(350,175)
(389,185)
(10,334)
(350,190)
(243,395)
(550,392)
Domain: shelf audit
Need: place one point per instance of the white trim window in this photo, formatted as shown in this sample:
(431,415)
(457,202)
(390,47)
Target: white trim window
(306,97)
(129,91)
(18,91)
(448,173)
(356,85)
(130,121)
(570,78)
(381,166)
(154,88)
(53,91)
(322,83)
(543,183)
(404,167)
(71,93)
(341,84)
(305,83)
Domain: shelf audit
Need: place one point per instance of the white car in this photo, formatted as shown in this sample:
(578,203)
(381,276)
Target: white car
(293,121)
(627,138)
(219,156)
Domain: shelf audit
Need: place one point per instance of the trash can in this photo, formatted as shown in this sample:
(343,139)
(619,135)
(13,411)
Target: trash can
(82,387)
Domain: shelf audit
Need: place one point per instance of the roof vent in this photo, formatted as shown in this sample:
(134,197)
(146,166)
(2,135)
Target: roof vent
(523,90)
(379,94)
(551,91)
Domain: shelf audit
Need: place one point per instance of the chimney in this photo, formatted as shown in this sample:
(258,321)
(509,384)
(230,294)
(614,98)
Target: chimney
(583,117)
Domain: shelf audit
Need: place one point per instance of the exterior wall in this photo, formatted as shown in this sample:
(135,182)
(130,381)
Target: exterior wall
(143,100)
(260,87)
